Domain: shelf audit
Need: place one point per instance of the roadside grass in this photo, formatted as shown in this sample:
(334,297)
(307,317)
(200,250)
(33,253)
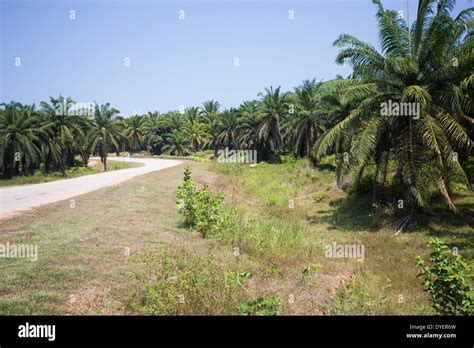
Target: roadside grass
(125,250)
(78,170)
(386,281)
(82,251)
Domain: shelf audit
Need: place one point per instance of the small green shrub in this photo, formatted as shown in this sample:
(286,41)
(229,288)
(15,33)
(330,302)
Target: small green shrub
(181,284)
(288,159)
(328,162)
(233,278)
(199,207)
(458,187)
(447,281)
(261,305)
(306,273)
(321,196)
(270,200)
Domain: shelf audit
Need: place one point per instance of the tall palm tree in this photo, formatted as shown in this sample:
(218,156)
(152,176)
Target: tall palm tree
(210,108)
(177,144)
(133,131)
(247,128)
(105,133)
(67,126)
(211,113)
(20,133)
(50,147)
(229,121)
(414,66)
(335,107)
(153,130)
(307,123)
(195,127)
(274,110)
(174,120)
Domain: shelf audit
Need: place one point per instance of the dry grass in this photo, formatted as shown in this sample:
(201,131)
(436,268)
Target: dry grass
(83,251)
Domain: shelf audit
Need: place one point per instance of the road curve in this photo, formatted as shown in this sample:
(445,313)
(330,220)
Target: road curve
(16,199)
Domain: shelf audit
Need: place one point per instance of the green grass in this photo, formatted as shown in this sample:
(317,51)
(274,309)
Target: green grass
(72,172)
(275,223)
(386,282)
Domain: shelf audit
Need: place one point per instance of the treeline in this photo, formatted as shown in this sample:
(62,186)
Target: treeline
(405,115)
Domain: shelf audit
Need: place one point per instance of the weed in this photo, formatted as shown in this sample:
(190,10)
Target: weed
(263,306)
(447,281)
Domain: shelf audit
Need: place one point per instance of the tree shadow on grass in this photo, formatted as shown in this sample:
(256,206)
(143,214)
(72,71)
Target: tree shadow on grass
(355,213)
(351,214)
(328,167)
(456,229)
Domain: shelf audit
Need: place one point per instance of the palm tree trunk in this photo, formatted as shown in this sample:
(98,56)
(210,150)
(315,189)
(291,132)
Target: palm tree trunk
(47,163)
(309,148)
(70,158)
(374,184)
(16,168)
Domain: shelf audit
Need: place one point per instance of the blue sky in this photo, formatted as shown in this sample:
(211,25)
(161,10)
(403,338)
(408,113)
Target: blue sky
(173,61)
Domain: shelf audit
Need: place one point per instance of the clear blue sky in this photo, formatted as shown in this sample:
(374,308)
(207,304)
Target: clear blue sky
(173,62)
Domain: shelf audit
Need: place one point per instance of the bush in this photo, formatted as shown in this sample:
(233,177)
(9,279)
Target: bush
(447,282)
(321,196)
(291,159)
(199,207)
(187,285)
(328,162)
(261,306)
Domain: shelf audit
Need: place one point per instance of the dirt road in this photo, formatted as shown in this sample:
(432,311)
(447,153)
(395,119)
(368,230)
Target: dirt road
(14,200)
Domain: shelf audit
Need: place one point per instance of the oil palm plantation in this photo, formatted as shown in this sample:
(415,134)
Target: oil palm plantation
(422,65)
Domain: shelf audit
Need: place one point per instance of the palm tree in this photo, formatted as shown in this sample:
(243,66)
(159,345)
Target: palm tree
(50,147)
(210,108)
(20,132)
(229,122)
(247,128)
(133,131)
(415,66)
(177,144)
(335,107)
(307,123)
(195,128)
(67,126)
(211,113)
(153,128)
(105,133)
(274,110)
(174,120)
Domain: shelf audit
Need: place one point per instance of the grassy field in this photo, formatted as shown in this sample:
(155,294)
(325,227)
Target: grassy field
(73,172)
(125,249)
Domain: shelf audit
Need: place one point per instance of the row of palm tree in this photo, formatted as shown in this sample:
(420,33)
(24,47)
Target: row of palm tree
(429,63)
(51,137)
